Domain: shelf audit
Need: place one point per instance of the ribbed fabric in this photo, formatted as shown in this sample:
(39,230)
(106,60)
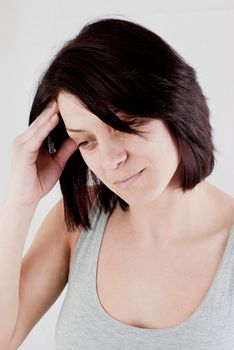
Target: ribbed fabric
(83,324)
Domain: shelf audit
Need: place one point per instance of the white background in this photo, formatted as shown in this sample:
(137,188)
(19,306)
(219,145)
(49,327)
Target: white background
(32,31)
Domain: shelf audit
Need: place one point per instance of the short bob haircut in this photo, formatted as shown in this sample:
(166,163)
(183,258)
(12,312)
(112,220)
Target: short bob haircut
(115,65)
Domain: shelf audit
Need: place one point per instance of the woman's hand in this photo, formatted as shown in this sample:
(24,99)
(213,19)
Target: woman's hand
(34,172)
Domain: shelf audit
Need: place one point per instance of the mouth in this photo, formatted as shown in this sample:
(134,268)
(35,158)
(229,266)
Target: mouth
(129,181)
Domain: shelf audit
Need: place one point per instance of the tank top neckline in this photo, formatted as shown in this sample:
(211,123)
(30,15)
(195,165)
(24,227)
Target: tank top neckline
(99,233)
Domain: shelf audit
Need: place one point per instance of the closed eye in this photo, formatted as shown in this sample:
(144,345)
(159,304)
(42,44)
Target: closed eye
(83,144)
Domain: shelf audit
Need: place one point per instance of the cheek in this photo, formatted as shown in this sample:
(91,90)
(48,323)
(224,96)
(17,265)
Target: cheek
(91,164)
(94,168)
(172,162)
(165,157)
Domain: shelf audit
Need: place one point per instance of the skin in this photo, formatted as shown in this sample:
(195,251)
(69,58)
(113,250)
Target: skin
(165,237)
(169,214)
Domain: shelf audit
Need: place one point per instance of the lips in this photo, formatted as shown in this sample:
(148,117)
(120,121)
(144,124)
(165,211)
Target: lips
(130,181)
(126,178)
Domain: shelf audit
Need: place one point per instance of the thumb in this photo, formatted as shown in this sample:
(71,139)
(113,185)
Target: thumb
(65,151)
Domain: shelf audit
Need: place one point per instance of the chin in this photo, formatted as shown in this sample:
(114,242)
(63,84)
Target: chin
(137,199)
(142,198)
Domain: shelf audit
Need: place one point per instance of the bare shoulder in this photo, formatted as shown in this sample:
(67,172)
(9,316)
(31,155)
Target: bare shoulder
(223,204)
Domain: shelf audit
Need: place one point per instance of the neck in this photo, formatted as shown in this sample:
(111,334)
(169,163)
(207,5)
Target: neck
(169,217)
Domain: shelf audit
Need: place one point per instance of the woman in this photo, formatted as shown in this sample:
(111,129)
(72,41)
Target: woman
(144,241)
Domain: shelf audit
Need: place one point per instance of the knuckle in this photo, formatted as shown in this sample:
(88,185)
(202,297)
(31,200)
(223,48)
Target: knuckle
(17,140)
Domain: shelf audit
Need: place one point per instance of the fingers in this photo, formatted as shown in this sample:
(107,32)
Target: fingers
(44,120)
(33,137)
(65,151)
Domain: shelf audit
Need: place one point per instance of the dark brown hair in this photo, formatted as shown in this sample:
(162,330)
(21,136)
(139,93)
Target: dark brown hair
(115,65)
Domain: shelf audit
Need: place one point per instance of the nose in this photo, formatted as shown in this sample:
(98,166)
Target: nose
(113,155)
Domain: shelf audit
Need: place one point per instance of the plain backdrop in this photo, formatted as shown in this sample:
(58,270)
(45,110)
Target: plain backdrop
(32,31)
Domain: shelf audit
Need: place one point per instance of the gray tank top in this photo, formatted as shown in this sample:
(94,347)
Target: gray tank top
(83,323)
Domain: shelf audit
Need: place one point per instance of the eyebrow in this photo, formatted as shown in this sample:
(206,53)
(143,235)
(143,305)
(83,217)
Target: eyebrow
(76,130)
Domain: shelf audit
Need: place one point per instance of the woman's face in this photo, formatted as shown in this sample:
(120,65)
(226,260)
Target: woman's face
(113,155)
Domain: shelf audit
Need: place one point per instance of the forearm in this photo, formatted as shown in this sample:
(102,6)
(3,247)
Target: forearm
(15,221)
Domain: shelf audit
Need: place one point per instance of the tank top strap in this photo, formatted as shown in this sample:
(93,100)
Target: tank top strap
(87,246)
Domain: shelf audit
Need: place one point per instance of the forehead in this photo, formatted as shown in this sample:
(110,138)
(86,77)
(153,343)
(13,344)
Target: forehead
(76,116)
(69,104)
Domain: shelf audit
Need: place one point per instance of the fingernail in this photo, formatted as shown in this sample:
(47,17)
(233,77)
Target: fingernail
(53,118)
